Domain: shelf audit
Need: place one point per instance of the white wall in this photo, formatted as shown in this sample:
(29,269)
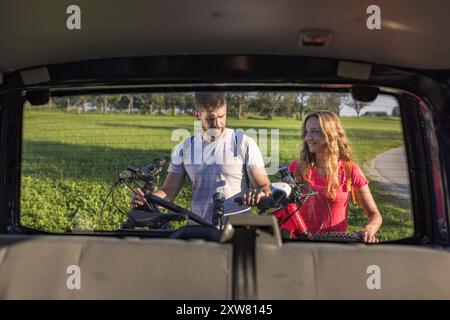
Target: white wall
(383,103)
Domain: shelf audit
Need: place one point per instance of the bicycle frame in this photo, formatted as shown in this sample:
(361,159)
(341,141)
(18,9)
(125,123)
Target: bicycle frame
(177,209)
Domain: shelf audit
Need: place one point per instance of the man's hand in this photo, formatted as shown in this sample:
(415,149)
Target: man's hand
(252,196)
(258,177)
(138,198)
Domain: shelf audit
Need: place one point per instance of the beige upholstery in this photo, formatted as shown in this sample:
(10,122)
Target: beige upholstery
(336,271)
(35,268)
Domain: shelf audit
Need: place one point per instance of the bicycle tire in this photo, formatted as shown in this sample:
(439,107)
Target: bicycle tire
(337,236)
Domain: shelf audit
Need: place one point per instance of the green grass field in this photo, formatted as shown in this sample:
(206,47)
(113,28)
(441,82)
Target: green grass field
(70,160)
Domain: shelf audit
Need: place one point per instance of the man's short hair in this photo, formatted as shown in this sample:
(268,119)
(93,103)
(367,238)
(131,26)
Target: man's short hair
(209,101)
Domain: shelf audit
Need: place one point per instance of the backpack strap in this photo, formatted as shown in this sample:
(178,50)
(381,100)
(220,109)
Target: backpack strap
(192,149)
(238,150)
(238,137)
(191,145)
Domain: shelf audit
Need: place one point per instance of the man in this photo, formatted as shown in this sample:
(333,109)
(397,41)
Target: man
(217,159)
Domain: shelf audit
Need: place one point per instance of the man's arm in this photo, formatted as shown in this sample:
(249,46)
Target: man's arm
(171,186)
(169,190)
(254,165)
(259,180)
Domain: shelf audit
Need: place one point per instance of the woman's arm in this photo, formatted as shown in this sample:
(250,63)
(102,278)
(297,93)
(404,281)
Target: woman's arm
(374,218)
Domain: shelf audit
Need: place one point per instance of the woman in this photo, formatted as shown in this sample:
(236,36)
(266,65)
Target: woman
(326,165)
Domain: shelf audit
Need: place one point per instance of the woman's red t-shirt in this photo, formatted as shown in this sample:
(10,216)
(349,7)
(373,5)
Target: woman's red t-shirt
(314,210)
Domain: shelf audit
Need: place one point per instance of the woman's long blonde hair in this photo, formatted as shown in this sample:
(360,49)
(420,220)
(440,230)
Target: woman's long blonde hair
(336,148)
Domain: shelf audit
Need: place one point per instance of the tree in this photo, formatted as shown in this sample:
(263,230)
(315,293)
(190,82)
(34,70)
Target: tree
(60,102)
(329,101)
(396,112)
(102,103)
(78,102)
(353,103)
(290,104)
(130,103)
(189,103)
(144,102)
(303,98)
(170,102)
(69,104)
(236,103)
(268,102)
(121,102)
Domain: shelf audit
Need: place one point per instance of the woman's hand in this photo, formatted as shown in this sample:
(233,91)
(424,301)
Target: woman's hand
(374,219)
(368,236)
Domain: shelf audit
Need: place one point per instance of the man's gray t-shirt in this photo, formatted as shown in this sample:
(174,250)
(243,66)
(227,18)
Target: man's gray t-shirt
(219,166)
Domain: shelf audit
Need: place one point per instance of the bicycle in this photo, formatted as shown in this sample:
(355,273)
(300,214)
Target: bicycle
(286,206)
(150,217)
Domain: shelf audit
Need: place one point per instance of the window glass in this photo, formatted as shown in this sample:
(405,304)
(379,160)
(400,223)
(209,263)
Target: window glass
(75,147)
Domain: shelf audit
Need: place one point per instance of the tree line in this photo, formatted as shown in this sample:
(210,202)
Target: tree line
(240,104)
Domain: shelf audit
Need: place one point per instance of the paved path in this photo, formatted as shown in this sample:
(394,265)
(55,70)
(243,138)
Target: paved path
(391,170)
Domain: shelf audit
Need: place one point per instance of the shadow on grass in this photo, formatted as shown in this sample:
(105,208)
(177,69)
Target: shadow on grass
(172,126)
(64,181)
(81,162)
(287,132)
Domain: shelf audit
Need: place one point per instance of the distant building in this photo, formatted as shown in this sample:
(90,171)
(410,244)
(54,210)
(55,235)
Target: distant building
(88,106)
(383,105)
